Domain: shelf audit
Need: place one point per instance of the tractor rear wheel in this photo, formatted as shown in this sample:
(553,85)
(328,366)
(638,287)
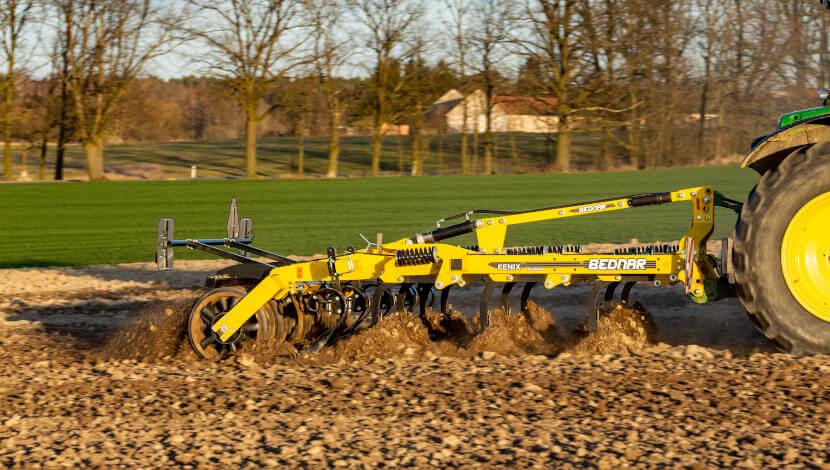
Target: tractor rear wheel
(782,253)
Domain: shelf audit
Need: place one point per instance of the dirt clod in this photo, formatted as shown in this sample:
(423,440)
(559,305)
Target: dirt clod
(533,332)
(622,330)
(157,332)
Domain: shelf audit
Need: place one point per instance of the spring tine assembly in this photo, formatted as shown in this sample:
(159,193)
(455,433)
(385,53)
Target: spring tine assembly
(626,292)
(504,301)
(526,296)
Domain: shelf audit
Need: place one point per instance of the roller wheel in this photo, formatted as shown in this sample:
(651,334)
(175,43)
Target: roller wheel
(210,308)
(782,253)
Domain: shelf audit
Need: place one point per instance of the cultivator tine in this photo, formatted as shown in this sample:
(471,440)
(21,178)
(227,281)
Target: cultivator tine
(424,291)
(445,300)
(505,296)
(626,292)
(608,300)
(383,303)
(595,308)
(484,305)
(526,296)
(405,299)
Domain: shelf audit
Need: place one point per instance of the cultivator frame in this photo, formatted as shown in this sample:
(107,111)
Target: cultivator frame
(337,287)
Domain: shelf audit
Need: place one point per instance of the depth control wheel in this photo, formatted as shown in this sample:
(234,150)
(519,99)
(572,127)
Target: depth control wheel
(210,308)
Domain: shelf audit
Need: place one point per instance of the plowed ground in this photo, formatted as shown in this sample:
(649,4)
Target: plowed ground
(95,373)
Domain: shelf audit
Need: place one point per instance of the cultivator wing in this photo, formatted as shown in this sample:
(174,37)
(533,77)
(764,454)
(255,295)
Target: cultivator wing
(309,302)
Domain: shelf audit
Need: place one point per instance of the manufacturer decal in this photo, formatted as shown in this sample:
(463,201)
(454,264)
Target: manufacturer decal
(508,266)
(614,264)
(591,208)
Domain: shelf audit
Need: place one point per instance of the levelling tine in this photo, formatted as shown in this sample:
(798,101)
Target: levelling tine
(626,292)
(525,296)
(608,301)
(505,296)
(445,299)
(483,306)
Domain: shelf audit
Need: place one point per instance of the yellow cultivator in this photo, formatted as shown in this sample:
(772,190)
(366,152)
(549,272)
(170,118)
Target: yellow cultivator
(271,297)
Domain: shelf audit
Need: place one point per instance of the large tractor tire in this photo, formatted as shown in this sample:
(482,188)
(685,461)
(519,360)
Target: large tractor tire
(782,253)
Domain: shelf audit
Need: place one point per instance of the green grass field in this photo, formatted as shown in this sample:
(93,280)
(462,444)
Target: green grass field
(114,222)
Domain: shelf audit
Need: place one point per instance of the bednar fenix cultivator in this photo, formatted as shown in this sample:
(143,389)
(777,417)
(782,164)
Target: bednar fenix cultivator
(781,260)
(309,302)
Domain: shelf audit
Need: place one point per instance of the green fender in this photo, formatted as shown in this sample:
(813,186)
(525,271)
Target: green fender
(768,151)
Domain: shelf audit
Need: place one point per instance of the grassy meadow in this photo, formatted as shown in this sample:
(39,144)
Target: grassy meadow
(115,221)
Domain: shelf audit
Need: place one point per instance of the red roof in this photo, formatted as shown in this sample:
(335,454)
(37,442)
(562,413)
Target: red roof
(527,105)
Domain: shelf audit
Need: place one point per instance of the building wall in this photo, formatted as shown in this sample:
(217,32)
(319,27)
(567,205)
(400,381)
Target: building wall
(502,122)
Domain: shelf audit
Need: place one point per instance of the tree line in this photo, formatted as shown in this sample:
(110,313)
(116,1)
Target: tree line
(679,82)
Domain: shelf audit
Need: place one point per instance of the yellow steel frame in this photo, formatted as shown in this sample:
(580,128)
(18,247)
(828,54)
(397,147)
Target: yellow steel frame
(460,266)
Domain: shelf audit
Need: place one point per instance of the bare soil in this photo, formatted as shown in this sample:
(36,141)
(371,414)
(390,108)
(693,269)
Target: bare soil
(98,373)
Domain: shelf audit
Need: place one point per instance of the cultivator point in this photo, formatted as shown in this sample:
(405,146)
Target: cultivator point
(270,297)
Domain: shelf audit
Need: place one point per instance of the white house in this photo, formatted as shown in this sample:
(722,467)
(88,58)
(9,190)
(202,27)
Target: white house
(509,114)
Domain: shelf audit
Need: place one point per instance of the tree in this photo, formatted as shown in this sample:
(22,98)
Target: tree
(15,16)
(113,41)
(459,12)
(487,41)
(551,36)
(329,57)
(390,27)
(252,44)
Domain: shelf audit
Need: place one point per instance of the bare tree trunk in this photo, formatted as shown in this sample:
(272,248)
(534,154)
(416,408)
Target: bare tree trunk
(441,142)
(377,146)
(41,169)
(514,151)
(474,166)
(465,158)
(8,114)
(64,101)
(400,154)
(415,132)
(301,146)
(634,133)
(94,151)
(334,142)
(563,145)
(250,143)
(417,159)
(607,160)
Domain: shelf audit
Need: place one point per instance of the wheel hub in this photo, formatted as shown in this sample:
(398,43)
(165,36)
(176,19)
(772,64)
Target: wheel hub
(805,256)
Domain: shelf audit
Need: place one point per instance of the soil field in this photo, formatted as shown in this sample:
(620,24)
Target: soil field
(95,374)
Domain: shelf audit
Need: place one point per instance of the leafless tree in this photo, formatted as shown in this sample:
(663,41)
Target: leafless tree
(487,40)
(330,55)
(113,42)
(15,17)
(551,33)
(252,44)
(457,23)
(389,29)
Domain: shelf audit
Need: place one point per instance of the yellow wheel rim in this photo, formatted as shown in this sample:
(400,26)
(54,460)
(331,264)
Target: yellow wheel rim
(805,256)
